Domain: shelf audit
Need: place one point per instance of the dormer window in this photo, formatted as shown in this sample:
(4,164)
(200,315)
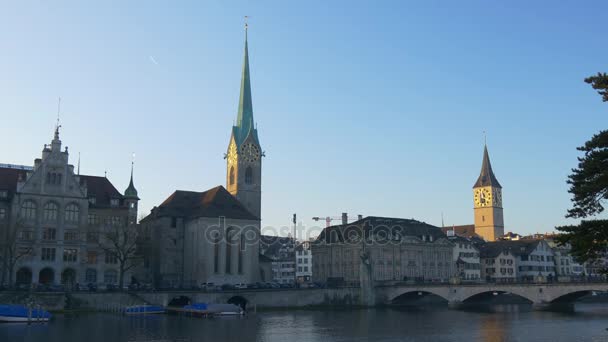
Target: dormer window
(114,202)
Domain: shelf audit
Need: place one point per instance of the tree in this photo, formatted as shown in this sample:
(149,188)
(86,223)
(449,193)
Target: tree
(11,252)
(589,189)
(121,241)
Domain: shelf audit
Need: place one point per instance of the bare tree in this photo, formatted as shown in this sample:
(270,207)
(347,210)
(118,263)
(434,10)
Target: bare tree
(122,241)
(11,251)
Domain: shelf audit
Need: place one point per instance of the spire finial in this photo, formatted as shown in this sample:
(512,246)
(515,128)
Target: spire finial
(246,26)
(57,125)
(132,165)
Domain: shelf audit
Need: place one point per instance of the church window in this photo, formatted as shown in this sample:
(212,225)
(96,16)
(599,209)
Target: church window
(216,254)
(50,212)
(28,210)
(249,175)
(72,213)
(231,175)
(229,242)
(241,250)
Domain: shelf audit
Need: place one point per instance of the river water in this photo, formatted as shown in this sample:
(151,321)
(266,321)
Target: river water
(501,323)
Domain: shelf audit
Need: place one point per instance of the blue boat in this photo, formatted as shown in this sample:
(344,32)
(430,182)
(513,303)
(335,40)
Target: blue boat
(144,310)
(20,313)
(205,309)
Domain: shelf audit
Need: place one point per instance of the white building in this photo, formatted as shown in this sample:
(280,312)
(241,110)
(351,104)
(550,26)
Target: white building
(566,266)
(497,265)
(465,258)
(304,263)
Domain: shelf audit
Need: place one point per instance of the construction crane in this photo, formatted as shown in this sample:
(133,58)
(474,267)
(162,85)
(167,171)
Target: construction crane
(329,219)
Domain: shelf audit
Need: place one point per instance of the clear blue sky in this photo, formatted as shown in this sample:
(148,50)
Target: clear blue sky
(371,107)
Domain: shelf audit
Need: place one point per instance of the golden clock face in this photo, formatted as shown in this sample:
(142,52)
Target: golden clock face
(250,152)
(232,153)
(483,197)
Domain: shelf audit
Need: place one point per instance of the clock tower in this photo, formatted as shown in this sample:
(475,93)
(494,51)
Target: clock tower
(244,155)
(487,199)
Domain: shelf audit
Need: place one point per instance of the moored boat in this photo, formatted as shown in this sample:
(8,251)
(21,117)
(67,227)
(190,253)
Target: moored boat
(20,313)
(205,310)
(144,310)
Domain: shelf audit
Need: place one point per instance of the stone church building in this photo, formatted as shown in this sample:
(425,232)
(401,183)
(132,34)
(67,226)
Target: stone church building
(213,235)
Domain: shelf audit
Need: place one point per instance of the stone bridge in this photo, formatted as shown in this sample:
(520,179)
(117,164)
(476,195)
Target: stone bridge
(542,296)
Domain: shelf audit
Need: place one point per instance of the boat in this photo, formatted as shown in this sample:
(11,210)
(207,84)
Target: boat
(206,310)
(144,310)
(20,313)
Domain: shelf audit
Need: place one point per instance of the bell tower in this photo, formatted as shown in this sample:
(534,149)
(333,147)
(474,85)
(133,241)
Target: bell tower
(244,155)
(487,200)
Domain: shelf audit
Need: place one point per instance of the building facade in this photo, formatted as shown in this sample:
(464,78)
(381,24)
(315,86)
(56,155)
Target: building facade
(396,250)
(213,236)
(533,259)
(53,222)
(487,200)
(465,257)
(304,263)
(497,265)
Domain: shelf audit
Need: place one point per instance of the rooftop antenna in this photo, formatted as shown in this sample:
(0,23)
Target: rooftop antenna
(79,163)
(57,125)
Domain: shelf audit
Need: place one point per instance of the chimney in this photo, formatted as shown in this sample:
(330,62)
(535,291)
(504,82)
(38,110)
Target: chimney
(450,232)
(359,217)
(344,218)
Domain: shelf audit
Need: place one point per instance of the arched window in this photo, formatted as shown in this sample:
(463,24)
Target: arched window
(110,277)
(72,213)
(28,210)
(48,178)
(249,175)
(241,251)
(91,276)
(229,242)
(231,175)
(50,212)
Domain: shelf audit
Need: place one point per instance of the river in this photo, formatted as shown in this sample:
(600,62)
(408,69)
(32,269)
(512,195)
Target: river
(502,323)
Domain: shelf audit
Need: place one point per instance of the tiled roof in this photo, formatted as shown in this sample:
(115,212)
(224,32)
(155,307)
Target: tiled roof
(520,247)
(9,178)
(101,188)
(381,227)
(464,230)
(214,202)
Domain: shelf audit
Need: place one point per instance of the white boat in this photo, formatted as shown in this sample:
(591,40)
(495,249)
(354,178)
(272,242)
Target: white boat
(144,310)
(20,313)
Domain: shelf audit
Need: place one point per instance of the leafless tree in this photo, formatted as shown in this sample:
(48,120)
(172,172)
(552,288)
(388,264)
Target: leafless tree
(122,241)
(11,251)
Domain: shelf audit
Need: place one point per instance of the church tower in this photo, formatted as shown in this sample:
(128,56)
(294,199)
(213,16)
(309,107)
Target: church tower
(487,199)
(244,155)
(131,199)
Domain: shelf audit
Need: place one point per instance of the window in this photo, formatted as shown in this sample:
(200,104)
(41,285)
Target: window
(50,212)
(91,257)
(249,175)
(72,213)
(241,250)
(53,178)
(114,202)
(28,210)
(3,193)
(49,234)
(93,219)
(26,235)
(111,258)
(229,243)
(70,235)
(2,213)
(92,237)
(92,200)
(305,268)
(47,254)
(110,277)
(25,251)
(70,255)
(231,175)
(216,254)
(90,276)
(173,222)
(116,221)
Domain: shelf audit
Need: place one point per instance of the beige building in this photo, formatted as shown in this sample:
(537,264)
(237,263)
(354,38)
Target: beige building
(52,222)
(487,200)
(399,249)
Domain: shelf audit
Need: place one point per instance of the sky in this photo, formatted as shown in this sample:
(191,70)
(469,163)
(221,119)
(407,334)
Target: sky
(366,107)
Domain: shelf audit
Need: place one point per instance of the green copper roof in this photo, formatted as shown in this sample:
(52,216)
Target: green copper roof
(131,191)
(244,121)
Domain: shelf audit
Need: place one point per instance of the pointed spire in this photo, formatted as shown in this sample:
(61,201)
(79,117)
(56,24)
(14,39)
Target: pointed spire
(244,120)
(131,191)
(486,176)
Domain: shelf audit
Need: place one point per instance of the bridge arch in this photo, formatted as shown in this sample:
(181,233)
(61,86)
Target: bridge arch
(413,296)
(573,296)
(238,301)
(490,295)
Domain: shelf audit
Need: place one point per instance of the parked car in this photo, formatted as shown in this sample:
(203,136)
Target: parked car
(92,287)
(275,285)
(227,287)
(208,287)
(253,286)
(240,286)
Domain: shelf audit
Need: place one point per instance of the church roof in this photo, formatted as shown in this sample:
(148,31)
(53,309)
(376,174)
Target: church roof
(486,176)
(520,247)
(466,231)
(380,227)
(214,202)
(244,121)
(131,192)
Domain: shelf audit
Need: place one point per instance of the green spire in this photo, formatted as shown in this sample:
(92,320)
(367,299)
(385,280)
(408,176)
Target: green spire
(244,120)
(131,192)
